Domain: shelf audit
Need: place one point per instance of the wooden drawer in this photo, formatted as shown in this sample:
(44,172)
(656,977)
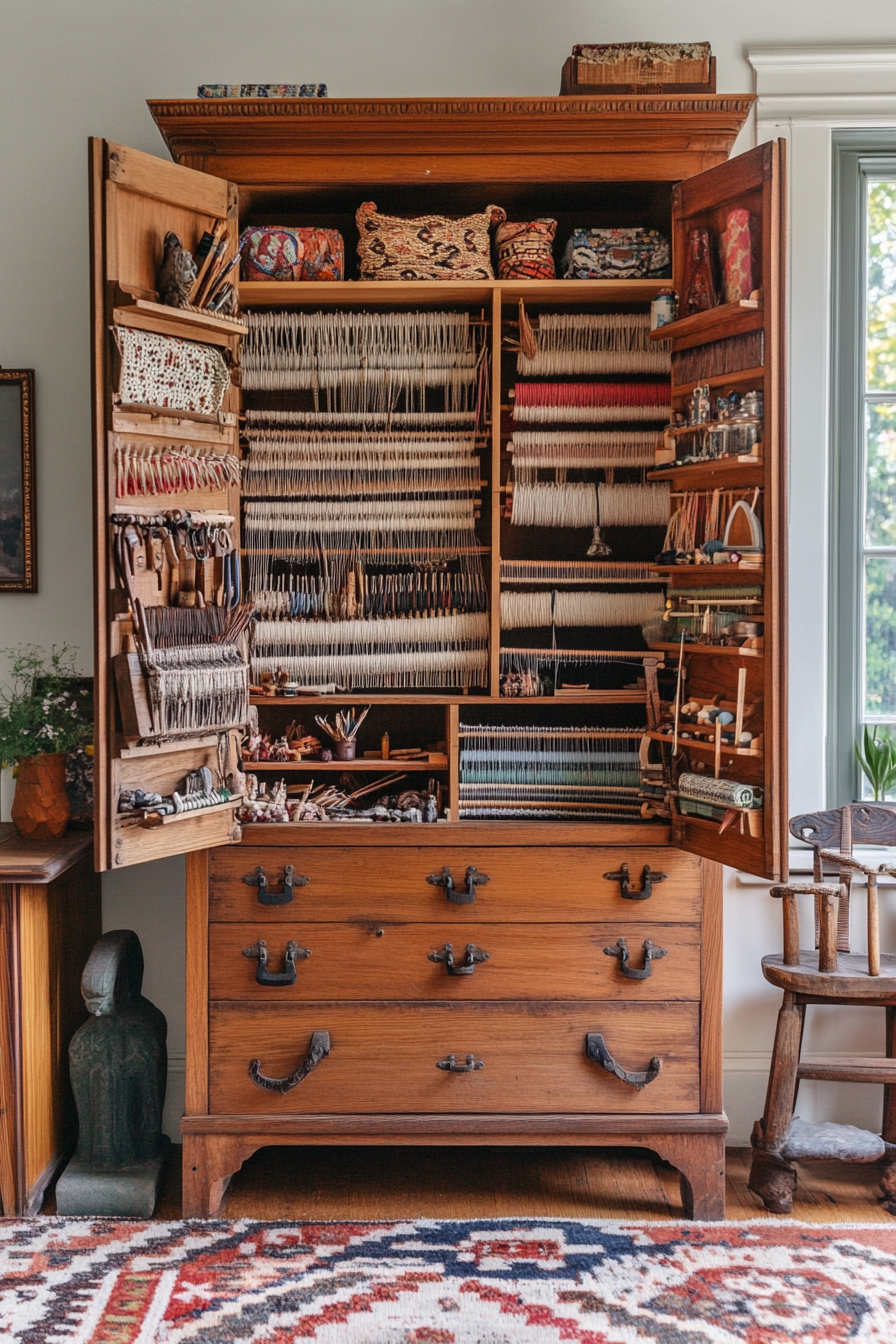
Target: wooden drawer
(383,1058)
(535,885)
(378,961)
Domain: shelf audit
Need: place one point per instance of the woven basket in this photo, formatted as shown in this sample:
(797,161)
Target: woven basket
(430,247)
(644,63)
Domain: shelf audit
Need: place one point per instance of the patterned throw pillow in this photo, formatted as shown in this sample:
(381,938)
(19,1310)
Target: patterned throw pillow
(524,250)
(275,253)
(430,247)
(617,254)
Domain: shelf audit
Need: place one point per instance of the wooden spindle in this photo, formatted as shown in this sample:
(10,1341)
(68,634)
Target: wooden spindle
(873,927)
(827,948)
(791,930)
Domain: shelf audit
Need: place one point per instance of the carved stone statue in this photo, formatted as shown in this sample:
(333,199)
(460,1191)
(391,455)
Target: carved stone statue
(118,1065)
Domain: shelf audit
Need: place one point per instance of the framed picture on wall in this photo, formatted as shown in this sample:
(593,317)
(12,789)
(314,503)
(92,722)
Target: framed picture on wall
(18,517)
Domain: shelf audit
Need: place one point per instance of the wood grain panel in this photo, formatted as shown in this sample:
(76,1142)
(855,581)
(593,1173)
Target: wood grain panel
(543,885)
(40,1099)
(383,1057)
(196,1096)
(10,1062)
(370,961)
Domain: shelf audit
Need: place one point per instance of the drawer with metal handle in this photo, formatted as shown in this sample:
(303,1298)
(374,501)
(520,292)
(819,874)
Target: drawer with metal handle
(455,883)
(301,962)
(453,1058)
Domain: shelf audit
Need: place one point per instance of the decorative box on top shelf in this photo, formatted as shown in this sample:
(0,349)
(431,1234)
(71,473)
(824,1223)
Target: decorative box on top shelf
(639,67)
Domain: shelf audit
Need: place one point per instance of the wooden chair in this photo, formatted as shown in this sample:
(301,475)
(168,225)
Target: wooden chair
(830,974)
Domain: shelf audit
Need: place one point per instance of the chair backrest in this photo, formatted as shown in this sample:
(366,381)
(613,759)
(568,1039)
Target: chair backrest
(843,827)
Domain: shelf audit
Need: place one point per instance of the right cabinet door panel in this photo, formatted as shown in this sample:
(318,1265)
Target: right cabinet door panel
(728,346)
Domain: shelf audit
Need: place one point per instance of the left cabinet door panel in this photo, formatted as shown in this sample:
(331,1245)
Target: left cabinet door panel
(135,201)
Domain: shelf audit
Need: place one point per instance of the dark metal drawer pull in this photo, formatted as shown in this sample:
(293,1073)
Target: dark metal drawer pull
(294,953)
(595,1048)
(281,895)
(319,1049)
(649,880)
(466,895)
(651,953)
(450,1065)
(473,955)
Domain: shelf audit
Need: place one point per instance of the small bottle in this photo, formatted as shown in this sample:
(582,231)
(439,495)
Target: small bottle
(384,746)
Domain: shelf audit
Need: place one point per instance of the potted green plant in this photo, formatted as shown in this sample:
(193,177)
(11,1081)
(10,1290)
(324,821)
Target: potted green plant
(877,760)
(42,717)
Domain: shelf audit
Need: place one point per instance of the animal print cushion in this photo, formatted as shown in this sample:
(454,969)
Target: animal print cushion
(430,247)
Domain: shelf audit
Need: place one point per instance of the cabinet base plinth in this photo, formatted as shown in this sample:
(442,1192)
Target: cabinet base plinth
(215,1147)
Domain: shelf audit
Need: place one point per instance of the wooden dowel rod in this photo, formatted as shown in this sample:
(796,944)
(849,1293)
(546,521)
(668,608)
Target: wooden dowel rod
(827,948)
(873,927)
(739,713)
(791,930)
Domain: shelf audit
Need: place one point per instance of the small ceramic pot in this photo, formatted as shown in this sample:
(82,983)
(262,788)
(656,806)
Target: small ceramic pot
(345,751)
(40,808)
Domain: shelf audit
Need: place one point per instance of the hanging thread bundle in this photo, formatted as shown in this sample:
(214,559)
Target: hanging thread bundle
(546,772)
(596,343)
(202,683)
(360,516)
(595,403)
(521,610)
(584,504)
(580,450)
(143,469)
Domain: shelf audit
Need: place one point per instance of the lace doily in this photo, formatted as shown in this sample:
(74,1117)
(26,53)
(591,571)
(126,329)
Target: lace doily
(166,371)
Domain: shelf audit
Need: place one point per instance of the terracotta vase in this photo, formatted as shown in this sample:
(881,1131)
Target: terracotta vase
(40,808)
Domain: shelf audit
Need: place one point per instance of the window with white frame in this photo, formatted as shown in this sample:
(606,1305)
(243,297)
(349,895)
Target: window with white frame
(863,625)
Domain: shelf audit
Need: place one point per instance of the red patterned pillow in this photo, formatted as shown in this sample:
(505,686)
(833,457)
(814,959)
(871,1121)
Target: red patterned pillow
(524,250)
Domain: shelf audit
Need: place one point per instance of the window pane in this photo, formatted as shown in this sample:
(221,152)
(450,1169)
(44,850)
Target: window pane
(880,353)
(880,474)
(879,696)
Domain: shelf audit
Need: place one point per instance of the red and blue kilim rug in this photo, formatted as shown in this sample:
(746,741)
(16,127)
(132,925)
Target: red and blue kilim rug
(505,1281)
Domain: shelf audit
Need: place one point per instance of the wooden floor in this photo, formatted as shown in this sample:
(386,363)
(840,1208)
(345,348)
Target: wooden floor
(373,1183)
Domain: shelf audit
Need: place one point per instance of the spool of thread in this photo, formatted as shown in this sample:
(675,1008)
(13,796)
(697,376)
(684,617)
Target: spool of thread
(719,792)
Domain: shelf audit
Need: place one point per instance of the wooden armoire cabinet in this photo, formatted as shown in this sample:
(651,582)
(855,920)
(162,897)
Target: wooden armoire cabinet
(535,966)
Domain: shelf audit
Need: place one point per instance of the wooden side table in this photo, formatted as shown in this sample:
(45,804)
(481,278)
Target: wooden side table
(50,917)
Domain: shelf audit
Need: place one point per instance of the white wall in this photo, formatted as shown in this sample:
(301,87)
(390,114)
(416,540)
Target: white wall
(69,70)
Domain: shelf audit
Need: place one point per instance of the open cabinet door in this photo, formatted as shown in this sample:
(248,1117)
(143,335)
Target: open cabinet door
(136,200)
(734,216)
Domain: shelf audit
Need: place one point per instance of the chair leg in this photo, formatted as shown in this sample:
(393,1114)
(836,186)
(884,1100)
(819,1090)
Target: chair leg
(773,1179)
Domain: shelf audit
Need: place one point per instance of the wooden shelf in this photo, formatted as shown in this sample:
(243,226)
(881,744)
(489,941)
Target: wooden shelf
(133,819)
(699,744)
(346,767)
(442,293)
(724,650)
(143,315)
(127,408)
(698,475)
(742,377)
(726,319)
(353,697)
(713,574)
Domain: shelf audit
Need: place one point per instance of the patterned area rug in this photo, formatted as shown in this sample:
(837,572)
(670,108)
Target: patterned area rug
(84,1281)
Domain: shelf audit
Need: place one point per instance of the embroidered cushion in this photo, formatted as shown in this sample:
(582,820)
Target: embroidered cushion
(524,250)
(275,253)
(430,247)
(617,254)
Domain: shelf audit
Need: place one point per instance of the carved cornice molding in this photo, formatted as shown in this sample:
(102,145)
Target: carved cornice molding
(329,109)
